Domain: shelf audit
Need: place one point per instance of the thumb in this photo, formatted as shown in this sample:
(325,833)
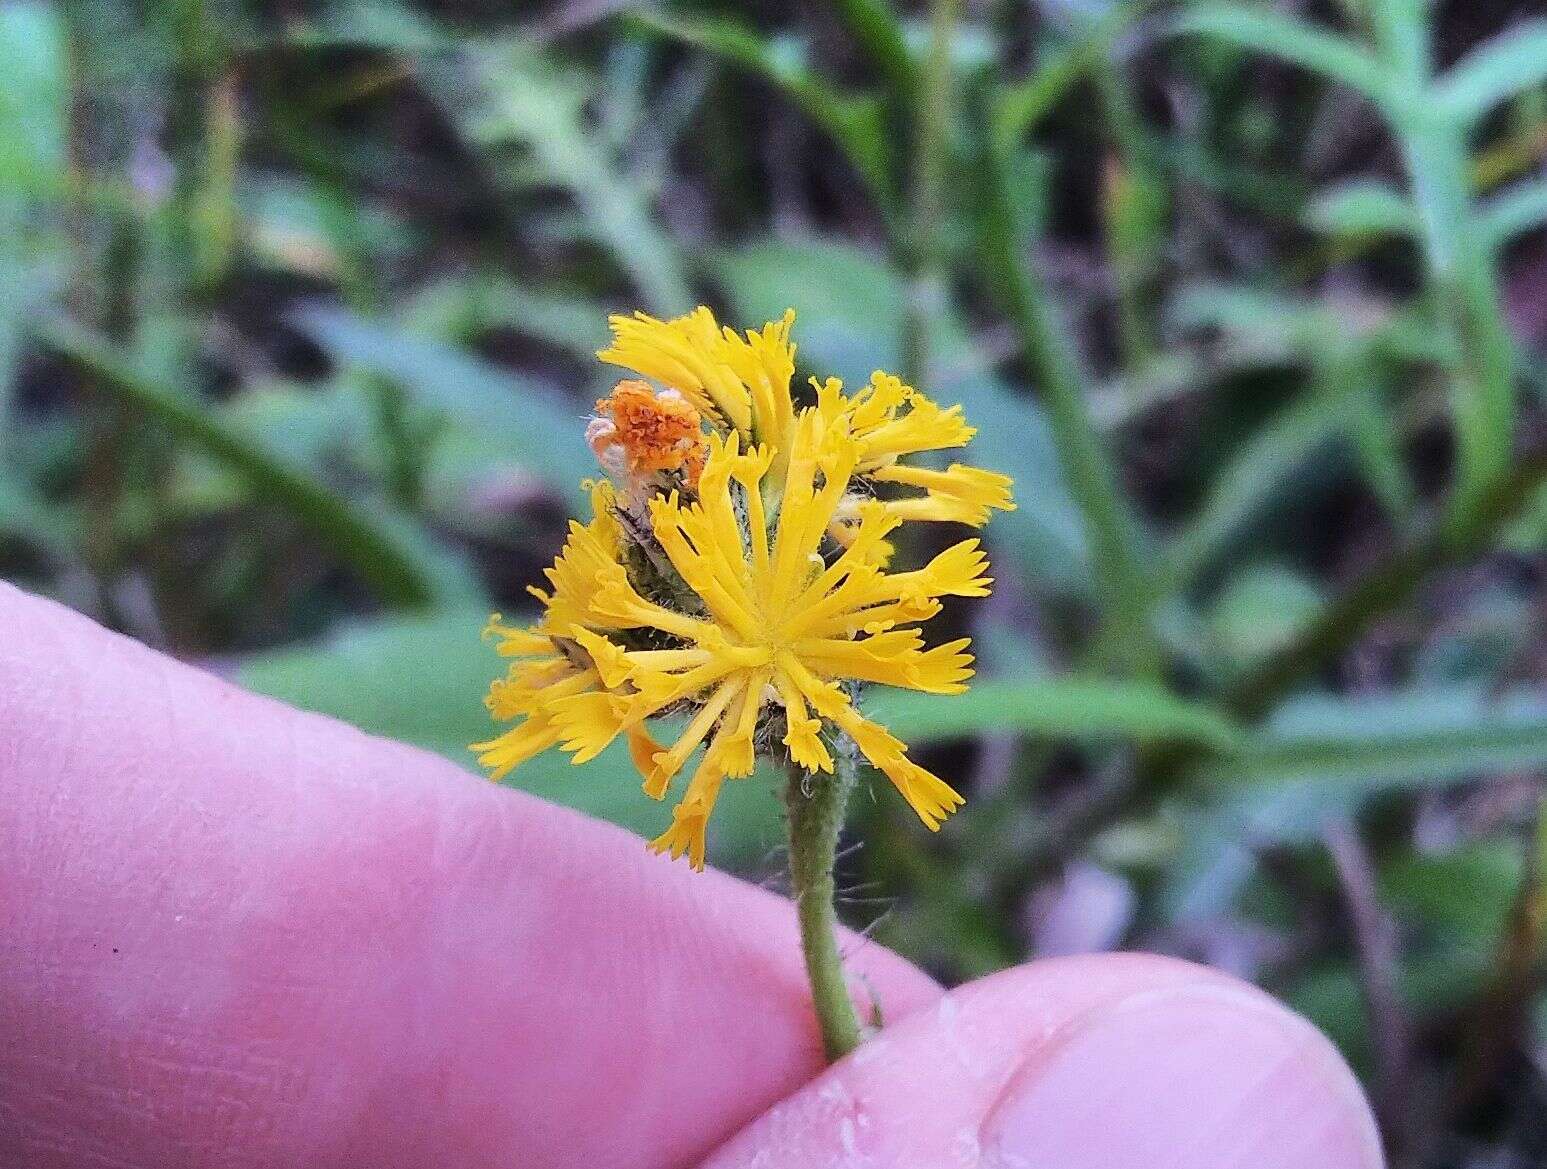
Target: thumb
(1111,1061)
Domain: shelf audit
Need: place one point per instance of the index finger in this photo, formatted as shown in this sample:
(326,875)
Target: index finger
(235,934)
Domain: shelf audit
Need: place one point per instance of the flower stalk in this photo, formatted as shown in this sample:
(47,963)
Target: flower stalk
(816,805)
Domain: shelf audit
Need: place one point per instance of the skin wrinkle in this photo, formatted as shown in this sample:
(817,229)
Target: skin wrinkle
(380,958)
(1307,1128)
(1231,1104)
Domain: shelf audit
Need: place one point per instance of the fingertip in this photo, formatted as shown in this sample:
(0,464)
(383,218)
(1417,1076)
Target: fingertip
(1219,1074)
(1093,1061)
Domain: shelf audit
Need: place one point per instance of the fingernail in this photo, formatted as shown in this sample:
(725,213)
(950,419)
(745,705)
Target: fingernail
(1197,1077)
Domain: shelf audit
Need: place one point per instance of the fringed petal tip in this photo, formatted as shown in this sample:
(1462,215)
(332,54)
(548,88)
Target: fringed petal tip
(687,835)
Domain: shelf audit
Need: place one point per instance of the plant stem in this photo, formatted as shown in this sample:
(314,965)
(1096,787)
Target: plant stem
(400,573)
(1049,355)
(922,251)
(878,33)
(816,804)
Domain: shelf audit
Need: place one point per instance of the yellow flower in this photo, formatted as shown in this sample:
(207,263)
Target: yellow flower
(742,384)
(737,575)
(780,632)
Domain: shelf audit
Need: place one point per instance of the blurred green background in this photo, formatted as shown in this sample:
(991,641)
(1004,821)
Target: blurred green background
(297,312)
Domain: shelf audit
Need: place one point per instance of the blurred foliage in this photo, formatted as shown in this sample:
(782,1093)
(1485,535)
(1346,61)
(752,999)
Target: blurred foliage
(297,308)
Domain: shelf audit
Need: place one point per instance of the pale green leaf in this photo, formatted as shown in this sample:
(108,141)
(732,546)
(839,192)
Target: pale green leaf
(387,550)
(529,422)
(1079,709)
(1363,208)
(856,122)
(1512,212)
(1512,62)
(503,95)
(1421,738)
(1311,48)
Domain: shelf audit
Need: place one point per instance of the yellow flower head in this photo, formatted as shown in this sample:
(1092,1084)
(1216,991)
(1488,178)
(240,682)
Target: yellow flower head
(752,594)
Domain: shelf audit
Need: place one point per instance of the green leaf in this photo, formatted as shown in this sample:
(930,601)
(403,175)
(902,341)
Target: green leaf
(1267,469)
(25,514)
(1259,611)
(1113,531)
(512,412)
(1363,208)
(1466,894)
(1421,738)
(1082,709)
(881,36)
(422,681)
(855,122)
(849,307)
(372,26)
(455,309)
(1494,72)
(506,94)
(1521,208)
(1290,40)
(387,551)
(1432,985)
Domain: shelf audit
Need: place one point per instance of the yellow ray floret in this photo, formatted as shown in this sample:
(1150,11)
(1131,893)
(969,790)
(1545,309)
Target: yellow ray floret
(889,420)
(781,629)
(551,672)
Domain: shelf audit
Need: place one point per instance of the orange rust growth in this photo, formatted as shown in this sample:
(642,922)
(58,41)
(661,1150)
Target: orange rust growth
(657,432)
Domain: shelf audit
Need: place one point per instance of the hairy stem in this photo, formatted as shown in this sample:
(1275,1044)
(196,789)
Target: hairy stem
(816,805)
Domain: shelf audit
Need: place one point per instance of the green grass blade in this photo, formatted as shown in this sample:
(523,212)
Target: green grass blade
(400,573)
(879,33)
(34,147)
(531,424)
(1363,208)
(1515,211)
(1262,471)
(34,98)
(1311,48)
(505,94)
(1024,103)
(1126,586)
(855,122)
(1421,738)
